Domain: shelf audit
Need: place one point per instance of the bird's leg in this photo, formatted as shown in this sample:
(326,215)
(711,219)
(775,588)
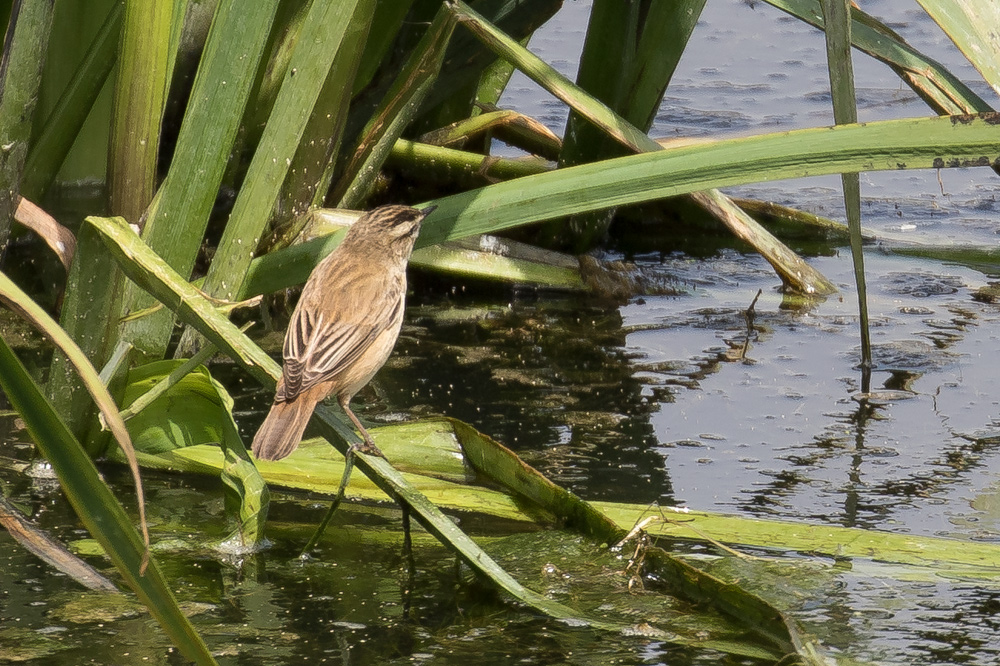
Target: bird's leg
(368,445)
(411,565)
(314,539)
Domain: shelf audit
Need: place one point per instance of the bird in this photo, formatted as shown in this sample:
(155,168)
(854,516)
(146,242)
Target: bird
(343,328)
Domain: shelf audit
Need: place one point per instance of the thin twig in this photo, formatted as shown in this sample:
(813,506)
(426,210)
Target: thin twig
(749,316)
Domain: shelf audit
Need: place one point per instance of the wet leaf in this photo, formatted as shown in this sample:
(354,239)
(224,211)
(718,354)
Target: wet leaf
(195,410)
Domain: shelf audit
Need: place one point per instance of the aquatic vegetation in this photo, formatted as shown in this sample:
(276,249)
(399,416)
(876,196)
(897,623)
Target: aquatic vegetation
(236,131)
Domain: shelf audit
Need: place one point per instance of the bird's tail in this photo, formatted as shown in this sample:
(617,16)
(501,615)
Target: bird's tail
(282,430)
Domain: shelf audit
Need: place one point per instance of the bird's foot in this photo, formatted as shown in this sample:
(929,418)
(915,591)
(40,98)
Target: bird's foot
(368,448)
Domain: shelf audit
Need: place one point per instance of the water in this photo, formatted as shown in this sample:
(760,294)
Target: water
(779,435)
(645,402)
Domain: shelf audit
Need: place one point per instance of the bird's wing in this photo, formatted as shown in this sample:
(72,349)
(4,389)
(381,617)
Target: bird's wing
(319,343)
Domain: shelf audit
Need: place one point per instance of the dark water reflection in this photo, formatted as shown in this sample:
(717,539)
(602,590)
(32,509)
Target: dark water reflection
(549,377)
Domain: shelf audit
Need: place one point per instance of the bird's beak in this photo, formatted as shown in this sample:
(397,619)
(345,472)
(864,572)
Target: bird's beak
(427,211)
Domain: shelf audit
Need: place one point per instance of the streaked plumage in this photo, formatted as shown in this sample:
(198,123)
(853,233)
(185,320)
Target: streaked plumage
(344,326)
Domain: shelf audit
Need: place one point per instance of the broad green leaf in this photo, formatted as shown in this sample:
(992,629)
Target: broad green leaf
(194,410)
(160,388)
(429,455)
(247,497)
(144,63)
(918,143)
(924,557)
(62,126)
(23,57)
(502,466)
(974,26)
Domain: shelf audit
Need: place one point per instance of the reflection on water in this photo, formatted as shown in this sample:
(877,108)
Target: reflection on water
(548,377)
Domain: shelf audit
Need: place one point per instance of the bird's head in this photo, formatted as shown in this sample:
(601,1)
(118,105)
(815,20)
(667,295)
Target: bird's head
(393,226)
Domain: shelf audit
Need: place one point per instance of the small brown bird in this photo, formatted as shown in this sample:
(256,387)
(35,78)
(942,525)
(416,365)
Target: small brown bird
(344,326)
